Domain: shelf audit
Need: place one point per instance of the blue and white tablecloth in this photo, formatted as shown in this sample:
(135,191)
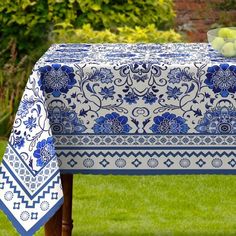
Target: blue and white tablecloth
(119,109)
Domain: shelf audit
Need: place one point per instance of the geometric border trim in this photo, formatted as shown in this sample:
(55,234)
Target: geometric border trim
(145,160)
(85,140)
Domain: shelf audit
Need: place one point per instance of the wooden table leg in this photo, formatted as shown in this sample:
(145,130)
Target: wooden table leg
(67,222)
(61,223)
(54,225)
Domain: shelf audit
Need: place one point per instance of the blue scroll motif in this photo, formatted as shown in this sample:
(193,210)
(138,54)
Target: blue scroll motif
(140,81)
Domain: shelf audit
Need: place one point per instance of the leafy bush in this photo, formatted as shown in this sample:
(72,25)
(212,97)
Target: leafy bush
(112,14)
(25,23)
(30,21)
(125,34)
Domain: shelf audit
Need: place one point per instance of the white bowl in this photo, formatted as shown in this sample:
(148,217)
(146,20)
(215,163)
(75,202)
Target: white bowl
(223,40)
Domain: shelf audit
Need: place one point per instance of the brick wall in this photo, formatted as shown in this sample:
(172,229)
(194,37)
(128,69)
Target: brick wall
(196,17)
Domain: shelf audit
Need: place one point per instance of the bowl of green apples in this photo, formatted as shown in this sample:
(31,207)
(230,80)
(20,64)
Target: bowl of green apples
(223,40)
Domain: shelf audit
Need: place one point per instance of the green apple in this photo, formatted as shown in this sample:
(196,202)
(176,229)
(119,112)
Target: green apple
(228,50)
(217,43)
(234,34)
(224,32)
(231,34)
(235,45)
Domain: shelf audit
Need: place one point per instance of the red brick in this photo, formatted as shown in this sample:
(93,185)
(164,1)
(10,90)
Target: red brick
(201,15)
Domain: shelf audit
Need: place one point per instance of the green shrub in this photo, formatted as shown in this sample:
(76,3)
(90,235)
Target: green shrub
(28,22)
(86,34)
(111,14)
(25,23)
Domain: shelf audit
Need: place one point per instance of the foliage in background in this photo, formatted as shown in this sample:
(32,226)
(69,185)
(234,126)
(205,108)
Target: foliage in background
(86,34)
(227,15)
(226,5)
(28,22)
(111,14)
(25,22)
(13,75)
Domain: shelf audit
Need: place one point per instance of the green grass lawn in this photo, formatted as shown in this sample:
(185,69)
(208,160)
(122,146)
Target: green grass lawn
(194,205)
(3,144)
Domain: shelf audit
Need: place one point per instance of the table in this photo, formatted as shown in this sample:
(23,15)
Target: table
(116,109)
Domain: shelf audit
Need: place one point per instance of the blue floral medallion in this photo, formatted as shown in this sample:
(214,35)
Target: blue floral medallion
(222,79)
(111,124)
(45,151)
(221,120)
(169,124)
(56,79)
